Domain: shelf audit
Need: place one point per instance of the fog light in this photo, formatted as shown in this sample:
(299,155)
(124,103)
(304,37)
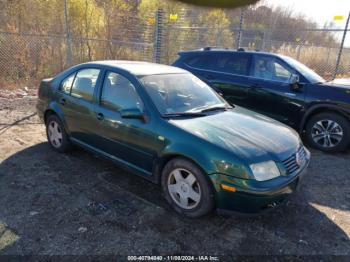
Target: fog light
(228,188)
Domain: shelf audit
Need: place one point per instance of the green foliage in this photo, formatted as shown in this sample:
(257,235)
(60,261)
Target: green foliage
(218,33)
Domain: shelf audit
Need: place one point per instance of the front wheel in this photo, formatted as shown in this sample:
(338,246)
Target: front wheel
(328,132)
(186,188)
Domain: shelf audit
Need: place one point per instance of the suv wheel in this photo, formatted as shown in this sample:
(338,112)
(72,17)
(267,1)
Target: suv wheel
(186,188)
(56,135)
(328,132)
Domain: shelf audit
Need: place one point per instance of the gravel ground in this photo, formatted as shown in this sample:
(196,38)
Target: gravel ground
(55,204)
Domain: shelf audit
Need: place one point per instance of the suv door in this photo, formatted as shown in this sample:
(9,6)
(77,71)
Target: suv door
(126,140)
(76,98)
(227,73)
(271,93)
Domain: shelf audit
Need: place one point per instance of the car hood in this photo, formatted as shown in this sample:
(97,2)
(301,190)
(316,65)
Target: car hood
(249,135)
(341,83)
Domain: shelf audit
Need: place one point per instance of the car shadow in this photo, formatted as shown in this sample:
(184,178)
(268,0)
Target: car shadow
(55,192)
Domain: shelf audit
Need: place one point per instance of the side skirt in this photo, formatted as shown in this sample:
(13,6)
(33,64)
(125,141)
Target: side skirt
(123,164)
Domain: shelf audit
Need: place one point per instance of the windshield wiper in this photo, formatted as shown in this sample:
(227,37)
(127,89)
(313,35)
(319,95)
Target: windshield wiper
(183,114)
(215,108)
(203,109)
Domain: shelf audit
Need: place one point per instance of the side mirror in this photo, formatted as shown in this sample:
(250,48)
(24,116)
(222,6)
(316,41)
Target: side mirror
(294,81)
(132,113)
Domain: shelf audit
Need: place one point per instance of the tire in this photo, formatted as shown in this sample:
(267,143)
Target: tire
(56,135)
(328,132)
(192,185)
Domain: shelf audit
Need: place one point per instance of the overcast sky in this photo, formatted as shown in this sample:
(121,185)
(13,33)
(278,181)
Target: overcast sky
(319,10)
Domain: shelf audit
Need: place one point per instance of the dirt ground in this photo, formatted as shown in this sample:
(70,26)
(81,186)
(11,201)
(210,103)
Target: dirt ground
(54,204)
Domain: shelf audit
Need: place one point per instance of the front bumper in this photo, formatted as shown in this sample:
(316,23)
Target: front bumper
(252,197)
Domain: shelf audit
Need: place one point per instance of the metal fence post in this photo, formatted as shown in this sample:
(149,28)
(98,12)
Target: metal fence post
(68,36)
(239,36)
(299,51)
(341,48)
(263,45)
(158,36)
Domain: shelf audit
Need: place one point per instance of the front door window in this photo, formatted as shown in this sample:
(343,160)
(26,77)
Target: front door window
(269,68)
(119,93)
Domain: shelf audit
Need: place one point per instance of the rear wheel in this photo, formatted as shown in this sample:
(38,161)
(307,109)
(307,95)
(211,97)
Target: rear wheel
(328,132)
(186,188)
(56,135)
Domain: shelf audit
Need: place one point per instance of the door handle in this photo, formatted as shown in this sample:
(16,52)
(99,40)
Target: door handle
(63,101)
(100,116)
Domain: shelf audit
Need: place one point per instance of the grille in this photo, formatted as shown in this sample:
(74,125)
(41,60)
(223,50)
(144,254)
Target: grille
(294,162)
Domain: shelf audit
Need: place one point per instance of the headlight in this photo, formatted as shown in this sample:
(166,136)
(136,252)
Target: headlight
(265,170)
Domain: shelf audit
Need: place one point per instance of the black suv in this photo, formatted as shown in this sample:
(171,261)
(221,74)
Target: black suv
(279,87)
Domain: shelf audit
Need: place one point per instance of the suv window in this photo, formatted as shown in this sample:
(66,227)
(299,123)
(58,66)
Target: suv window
(66,84)
(233,64)
(119,93)
(84,83)
(202,62)
(269,68)
(237,64)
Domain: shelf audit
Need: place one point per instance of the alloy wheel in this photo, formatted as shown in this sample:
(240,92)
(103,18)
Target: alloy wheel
(55,134)
(327,133)
(184,188)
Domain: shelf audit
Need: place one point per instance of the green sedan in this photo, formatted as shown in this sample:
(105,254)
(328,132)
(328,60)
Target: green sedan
(166,125)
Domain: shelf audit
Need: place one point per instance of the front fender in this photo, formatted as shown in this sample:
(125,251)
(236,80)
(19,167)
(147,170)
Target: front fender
(323,106)
(192,153)
(211,159)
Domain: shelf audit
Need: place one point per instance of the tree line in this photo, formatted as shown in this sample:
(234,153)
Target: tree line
(35,43)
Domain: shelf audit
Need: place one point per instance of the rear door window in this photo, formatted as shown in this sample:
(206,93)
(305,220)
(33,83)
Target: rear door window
(237,64)
(84,83)
(66,84)
(207,62)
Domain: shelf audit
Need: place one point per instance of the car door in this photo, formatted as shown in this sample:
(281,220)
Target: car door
(271,92)
(76,99)
(227,73)
(127,140)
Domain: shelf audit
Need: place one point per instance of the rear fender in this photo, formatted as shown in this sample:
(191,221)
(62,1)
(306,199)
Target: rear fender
(54,106)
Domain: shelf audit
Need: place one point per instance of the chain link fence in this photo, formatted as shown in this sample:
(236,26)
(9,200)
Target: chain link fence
(25,58)
(319,56)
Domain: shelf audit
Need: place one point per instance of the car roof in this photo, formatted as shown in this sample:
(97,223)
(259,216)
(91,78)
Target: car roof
(139,67)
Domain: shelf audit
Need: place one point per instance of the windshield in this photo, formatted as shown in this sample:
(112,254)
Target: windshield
(180,93)
(312,76)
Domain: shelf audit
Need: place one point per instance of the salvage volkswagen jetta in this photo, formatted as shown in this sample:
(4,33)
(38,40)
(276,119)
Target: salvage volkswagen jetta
(166,125)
